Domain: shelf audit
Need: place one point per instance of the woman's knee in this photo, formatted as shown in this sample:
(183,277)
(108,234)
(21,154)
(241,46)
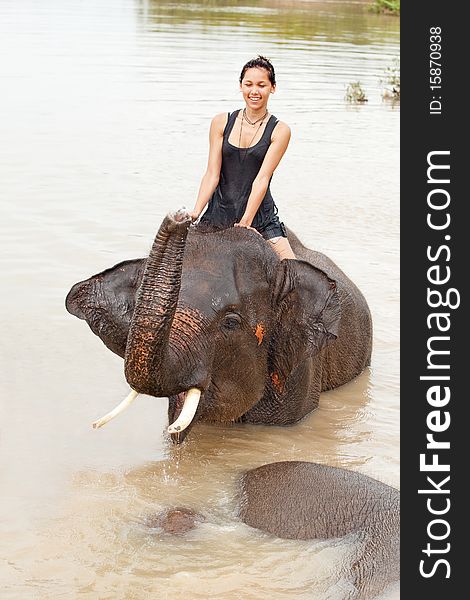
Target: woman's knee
(282,247)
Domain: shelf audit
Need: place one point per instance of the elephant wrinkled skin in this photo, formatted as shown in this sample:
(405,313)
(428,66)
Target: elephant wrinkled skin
(217,310)
(302,500)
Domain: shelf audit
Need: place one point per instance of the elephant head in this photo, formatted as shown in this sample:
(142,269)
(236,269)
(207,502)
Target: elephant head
(211,311)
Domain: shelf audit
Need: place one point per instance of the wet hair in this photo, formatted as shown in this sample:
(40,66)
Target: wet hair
(260,62)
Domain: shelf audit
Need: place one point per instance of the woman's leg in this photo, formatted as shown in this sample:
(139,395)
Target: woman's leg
(282,247)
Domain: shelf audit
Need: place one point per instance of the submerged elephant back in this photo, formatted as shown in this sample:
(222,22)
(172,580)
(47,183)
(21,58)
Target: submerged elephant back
(302,500)
(328,502)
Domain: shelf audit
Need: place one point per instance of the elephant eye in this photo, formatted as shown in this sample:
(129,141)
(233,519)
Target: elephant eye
(231,321)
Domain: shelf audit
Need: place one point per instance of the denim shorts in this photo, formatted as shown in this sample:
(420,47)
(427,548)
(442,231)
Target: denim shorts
(273,229)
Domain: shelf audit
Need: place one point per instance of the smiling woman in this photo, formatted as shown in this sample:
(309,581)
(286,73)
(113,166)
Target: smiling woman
(246,146)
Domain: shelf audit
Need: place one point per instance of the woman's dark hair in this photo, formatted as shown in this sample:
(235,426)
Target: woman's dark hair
(261,62)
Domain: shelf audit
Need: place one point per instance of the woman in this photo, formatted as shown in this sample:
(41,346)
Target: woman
(245,148)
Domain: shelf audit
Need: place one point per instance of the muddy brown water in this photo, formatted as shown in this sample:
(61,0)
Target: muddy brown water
(106,107)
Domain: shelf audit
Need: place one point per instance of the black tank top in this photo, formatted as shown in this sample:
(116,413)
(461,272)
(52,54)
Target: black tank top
(239,168)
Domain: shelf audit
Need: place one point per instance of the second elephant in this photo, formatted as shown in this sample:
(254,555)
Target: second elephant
(303,500)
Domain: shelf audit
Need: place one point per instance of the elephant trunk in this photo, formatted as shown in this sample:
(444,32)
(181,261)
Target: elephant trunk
(155,307)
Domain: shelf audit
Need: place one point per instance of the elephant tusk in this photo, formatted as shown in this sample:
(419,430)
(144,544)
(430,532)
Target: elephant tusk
(119,409)
(191,403)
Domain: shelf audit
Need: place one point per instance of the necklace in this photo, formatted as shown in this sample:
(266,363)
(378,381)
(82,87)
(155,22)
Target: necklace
(246,148)
(253,122)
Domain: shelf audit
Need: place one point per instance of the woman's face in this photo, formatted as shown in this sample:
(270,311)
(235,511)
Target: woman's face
(256,88)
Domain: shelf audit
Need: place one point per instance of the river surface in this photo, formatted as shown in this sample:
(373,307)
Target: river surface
(105,110)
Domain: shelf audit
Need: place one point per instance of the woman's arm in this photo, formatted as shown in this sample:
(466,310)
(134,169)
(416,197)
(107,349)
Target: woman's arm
(279,142)
(211,176)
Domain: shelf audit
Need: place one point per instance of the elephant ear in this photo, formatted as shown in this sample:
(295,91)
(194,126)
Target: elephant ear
(308,315)
(106,302)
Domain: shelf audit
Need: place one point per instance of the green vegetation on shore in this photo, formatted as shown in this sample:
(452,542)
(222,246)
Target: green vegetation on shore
(275,19)
(391,7)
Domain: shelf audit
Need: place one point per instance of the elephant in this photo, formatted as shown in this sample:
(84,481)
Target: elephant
(216,322)
(300,500)
(303,500)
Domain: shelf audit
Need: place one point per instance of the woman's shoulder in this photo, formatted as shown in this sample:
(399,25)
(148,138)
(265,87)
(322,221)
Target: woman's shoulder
(219,121)
(281,129)
(222,117)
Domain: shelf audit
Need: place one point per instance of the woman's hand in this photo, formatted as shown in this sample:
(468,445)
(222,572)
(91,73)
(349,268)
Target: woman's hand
(194,214)
(247,227)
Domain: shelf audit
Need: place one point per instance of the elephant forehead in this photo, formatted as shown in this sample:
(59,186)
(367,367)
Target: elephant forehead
(199,285)
(208,291)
